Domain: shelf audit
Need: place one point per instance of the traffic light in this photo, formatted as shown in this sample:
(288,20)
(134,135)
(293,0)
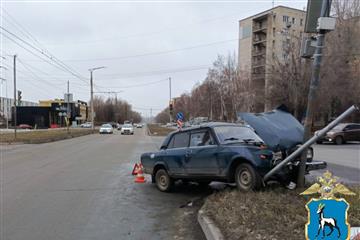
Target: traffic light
(171,106)
(19,97)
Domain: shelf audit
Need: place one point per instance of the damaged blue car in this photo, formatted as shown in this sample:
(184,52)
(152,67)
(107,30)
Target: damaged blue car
(230,152)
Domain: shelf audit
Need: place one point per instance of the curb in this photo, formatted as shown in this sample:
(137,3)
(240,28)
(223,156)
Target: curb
(210,230)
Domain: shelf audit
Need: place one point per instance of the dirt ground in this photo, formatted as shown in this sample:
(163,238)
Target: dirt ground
(43,136)
(270,214)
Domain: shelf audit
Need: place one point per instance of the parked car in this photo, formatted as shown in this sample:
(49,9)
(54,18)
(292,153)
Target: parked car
(229,152)
(25,126)
(106,128)
(86,125)
(342,133)
(127,129)
(139,125)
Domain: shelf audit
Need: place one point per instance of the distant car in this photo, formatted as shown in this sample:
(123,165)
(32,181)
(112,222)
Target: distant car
(127,129)
(106,128)
(229,152)
(25,126)
(342,133)
(86,125)
(139,125)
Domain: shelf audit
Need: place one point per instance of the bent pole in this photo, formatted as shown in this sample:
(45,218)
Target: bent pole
(311,141)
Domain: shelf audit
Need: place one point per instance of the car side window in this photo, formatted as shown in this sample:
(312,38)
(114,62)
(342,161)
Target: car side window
(354,127)
(202,138)
(349,127)
(179,140)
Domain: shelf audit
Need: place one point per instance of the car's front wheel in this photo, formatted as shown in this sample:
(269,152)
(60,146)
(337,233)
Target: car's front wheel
(247,178)
(163,180)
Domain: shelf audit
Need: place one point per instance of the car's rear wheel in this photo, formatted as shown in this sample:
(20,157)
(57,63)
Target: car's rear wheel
(163,180)
(339,140)
(247,178)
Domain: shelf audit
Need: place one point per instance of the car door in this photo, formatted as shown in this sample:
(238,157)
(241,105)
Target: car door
(175,153)
(201,157)
(352,132)
(357,132)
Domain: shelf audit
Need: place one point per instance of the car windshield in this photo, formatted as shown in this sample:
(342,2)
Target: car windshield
(231,134)
(106,126)
(339,127)
(127,125)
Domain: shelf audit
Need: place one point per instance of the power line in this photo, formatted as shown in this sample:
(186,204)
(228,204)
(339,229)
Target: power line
(169,28)
(157,72)
(140,85)
(52,58)
(148,54)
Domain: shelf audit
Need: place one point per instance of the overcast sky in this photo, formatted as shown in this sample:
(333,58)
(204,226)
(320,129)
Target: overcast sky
(141,44)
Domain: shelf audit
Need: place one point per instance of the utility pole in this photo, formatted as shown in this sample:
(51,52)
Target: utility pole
(67,106)
(170,101)
(92,96)
(312,95)
(92,100)
(150,115)
(15,117)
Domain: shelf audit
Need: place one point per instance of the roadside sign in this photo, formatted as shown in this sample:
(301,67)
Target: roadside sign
(180,116)
(179,123)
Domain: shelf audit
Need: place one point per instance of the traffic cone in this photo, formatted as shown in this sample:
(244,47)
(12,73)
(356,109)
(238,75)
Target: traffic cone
(140,176)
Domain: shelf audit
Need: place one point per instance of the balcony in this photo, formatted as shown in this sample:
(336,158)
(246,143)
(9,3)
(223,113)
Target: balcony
(259,41)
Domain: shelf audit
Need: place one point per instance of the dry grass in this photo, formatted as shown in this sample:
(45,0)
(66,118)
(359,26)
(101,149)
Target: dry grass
(43,136)
(157,130)
(270,214)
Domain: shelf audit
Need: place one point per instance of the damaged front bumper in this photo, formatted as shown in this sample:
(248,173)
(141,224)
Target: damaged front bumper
(310,166)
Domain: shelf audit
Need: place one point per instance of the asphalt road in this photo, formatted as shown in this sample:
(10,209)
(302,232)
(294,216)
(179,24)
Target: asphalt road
(82,188)
(343,160)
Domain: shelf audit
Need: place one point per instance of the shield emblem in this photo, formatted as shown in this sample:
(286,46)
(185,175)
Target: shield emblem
(327,219)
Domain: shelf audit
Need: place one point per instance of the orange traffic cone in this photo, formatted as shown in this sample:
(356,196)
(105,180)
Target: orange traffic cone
(140,176)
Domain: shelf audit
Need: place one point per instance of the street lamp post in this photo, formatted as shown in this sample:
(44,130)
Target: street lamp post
(92,95)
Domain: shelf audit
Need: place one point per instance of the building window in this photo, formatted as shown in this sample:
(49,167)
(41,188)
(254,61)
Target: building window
(274,32)
(285,19)
(293,20)
(301,22)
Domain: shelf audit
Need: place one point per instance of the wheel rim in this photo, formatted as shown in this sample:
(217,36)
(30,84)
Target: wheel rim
(244,178)
(162,181)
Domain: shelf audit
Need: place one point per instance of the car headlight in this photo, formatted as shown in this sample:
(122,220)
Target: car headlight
(309,153)
(277,157)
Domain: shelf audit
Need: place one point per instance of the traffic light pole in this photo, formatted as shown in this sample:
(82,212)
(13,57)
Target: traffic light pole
(314,84)
(15,117)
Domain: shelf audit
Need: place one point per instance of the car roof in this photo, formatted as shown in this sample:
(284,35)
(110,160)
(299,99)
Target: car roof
(199,127)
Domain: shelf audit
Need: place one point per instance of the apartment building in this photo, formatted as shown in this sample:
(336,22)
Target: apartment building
(263,39)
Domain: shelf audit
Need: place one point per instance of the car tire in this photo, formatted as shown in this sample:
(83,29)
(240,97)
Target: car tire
(163,181)
(339,140)
(319,142)
(247,178)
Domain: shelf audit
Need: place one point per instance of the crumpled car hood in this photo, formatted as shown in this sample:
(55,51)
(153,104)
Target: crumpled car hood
(278,128)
